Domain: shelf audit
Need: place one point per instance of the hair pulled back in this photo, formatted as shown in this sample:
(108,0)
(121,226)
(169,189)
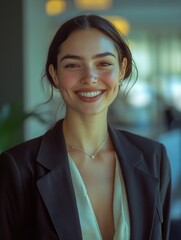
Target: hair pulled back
(82,22)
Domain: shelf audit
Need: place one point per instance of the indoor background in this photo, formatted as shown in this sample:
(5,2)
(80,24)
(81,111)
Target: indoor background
(152,107)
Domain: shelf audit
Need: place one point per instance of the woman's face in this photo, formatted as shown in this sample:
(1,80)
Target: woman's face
(88,72)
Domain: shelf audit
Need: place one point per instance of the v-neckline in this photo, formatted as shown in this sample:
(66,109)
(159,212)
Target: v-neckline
(85,193)
(79,187)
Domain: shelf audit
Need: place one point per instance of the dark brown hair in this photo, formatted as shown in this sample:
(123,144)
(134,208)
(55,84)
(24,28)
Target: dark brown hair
(82,22)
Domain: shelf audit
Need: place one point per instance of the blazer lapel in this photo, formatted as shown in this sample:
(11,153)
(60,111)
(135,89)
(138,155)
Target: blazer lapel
(57,192)
(141,187)
(56,186)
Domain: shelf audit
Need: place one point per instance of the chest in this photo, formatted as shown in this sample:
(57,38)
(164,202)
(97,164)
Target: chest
(98,178)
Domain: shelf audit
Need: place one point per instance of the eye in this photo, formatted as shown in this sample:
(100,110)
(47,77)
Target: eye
(72,66)
(104,64)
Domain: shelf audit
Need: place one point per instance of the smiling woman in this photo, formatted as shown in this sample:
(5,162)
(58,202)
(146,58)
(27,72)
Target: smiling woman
(87,74)
(62,185)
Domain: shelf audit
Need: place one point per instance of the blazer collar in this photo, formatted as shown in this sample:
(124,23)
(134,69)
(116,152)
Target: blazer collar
(52,152)
(141,185)
(56,187)
(57,191)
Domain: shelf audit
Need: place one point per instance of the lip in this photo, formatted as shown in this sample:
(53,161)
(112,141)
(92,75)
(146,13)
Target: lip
(90,95)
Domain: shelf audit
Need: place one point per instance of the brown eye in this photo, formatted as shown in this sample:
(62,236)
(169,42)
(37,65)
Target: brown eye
(72,66)
(104,64)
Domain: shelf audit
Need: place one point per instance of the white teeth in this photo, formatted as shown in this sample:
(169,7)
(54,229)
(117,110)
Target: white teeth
(90,94)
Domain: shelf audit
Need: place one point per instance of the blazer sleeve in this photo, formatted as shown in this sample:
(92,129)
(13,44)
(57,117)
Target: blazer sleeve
(11,198)
(165,193)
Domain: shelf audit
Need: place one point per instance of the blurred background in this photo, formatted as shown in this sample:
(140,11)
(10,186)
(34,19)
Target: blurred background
(153,106)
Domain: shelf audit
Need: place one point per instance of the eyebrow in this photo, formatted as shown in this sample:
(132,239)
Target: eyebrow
(99,55)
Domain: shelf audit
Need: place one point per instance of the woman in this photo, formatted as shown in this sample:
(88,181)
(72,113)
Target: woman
(83,179)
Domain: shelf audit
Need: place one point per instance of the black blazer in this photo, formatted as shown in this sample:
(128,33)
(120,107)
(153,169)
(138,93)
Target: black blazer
(37,199)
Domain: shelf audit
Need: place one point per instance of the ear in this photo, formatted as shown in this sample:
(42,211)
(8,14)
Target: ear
(53,74)
(123,68)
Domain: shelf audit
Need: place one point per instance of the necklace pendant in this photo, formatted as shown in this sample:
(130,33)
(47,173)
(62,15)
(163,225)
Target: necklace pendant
(87,153)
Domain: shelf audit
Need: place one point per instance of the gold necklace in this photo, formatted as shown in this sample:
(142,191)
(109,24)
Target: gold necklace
(88,154)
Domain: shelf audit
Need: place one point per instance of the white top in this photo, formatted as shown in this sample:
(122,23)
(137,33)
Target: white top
(89,225)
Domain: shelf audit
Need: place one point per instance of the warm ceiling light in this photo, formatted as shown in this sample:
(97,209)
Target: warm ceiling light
(93,4)
(120,23)
(55,7)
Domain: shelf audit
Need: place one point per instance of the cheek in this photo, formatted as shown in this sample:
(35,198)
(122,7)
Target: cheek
(111,78)
(66,81)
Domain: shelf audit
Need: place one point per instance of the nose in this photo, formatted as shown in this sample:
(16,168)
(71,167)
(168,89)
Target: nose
(89,76)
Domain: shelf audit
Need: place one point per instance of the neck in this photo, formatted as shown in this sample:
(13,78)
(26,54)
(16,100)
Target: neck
(87,133)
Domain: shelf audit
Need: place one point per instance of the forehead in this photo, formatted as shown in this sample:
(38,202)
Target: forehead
(87,41)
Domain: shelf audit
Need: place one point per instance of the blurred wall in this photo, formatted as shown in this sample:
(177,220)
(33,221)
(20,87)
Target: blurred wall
(11,51)
(37,33)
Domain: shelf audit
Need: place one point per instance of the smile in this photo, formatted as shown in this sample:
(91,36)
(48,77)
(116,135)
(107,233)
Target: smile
(90,94)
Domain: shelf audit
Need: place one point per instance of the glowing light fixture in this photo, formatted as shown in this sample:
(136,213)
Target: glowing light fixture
(55,7)
(120,23)
(93,4)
